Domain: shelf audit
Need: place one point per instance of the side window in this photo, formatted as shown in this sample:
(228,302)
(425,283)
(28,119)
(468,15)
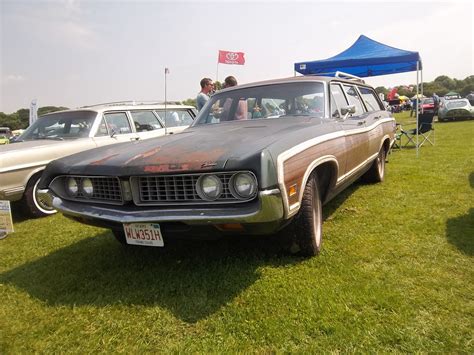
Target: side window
(338,100)
(354,99)
(145,121)
(118,122)
(176,118)
(370,99)
(102,131)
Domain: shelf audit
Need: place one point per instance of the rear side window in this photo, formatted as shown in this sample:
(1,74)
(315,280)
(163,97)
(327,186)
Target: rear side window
(354,99)
(145,121)
(338,100)
(118,122)
(176,118)
(370,99)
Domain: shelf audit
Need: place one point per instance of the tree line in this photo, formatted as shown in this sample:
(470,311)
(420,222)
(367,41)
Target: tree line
(441,86)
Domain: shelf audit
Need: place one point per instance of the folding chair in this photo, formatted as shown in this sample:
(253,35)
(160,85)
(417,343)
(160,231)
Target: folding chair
(424,130)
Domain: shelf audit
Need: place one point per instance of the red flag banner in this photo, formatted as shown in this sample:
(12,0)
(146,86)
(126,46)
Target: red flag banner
(226,57)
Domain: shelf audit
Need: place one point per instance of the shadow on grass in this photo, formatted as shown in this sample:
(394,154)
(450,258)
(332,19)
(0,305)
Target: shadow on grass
(17,213)
(333,205)
(191,279)
(460,232)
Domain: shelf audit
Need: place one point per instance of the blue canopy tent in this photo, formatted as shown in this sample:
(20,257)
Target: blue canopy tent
(365,58)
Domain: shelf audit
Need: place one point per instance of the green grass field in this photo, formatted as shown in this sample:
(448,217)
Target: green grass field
(396,275)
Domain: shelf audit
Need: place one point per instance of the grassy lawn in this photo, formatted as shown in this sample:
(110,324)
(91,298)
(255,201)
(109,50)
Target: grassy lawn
(396,274)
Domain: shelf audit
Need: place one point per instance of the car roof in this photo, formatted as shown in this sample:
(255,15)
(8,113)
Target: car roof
(115,106)
(296,79)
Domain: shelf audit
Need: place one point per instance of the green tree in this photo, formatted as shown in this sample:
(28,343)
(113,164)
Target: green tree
(446,82)
(381,90)
(189,102)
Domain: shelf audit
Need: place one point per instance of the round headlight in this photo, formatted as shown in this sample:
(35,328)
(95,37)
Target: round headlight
(87,187)
(72,187)
(209,187)
(243,185)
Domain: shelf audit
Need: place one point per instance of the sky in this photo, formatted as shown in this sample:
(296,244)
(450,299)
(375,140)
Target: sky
(75,53)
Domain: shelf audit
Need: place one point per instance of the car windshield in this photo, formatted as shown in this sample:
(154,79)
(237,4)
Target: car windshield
(265,102)
(457,103)
(60,126)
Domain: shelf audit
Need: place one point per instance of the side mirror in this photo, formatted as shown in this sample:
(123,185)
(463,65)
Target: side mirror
(348,110)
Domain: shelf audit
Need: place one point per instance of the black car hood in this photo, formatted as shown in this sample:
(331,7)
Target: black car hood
(206,147)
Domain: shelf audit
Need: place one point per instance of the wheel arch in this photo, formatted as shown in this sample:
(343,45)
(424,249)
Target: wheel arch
(326,170)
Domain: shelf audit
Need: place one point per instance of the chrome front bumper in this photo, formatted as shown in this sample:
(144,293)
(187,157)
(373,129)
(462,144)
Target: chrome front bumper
(267,208)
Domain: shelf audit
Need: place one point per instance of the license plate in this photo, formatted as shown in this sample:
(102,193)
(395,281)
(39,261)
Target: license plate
(145,234)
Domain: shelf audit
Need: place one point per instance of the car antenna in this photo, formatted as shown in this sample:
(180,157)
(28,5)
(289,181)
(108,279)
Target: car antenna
(167,71)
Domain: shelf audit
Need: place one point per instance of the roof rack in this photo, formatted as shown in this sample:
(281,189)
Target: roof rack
(342,75)
(133,103)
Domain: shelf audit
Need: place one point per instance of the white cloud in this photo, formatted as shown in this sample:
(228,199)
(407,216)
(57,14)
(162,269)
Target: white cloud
(61,23)
(12,78)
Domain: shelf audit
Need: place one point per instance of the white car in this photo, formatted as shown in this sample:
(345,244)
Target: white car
(62,133)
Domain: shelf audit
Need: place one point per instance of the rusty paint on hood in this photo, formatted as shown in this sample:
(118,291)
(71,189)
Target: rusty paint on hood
(101,161)
(180,159)
(144,155)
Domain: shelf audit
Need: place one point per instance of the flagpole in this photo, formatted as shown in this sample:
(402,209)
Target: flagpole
(217,71)
(164,120)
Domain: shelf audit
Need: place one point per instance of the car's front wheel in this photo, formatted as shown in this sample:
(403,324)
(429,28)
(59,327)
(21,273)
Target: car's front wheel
(35,204)
(307,224)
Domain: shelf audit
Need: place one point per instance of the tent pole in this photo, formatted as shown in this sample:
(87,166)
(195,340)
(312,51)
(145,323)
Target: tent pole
(417,103)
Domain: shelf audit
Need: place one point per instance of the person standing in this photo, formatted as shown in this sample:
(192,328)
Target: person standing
(206,88)
(229,82)
(436,103)
(241,110)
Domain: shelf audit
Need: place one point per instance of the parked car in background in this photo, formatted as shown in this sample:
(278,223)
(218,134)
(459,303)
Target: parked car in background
(62,133)
(427,105)
(455,109)
(259,158)
(5,134)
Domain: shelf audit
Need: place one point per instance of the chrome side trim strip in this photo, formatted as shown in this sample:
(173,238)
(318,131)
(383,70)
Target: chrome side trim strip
(25,166)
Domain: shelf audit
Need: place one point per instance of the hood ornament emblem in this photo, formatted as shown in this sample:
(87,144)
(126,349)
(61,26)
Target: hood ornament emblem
(208,165)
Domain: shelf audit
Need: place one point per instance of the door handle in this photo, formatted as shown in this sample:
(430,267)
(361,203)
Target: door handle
(377,117)
(360,123)
(135,138)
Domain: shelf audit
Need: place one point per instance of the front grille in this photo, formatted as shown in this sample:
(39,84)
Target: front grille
(106,189)
(179,189)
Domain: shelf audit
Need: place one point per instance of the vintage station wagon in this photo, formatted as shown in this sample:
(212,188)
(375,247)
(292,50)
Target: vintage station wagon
(258,159)
(61,133)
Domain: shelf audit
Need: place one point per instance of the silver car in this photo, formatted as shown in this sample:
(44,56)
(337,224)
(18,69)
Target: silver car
(455,109)
(62,133)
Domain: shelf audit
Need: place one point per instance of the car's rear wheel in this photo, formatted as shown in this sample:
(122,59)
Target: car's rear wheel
(34,204)
(307,224)
(376,173)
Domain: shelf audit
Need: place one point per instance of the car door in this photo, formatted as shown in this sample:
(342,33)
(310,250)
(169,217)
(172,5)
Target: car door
(376,112)
(115,127)
(354,126)
(147,124)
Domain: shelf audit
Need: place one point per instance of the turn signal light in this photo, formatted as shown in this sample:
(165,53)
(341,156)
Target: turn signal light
(292,190)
